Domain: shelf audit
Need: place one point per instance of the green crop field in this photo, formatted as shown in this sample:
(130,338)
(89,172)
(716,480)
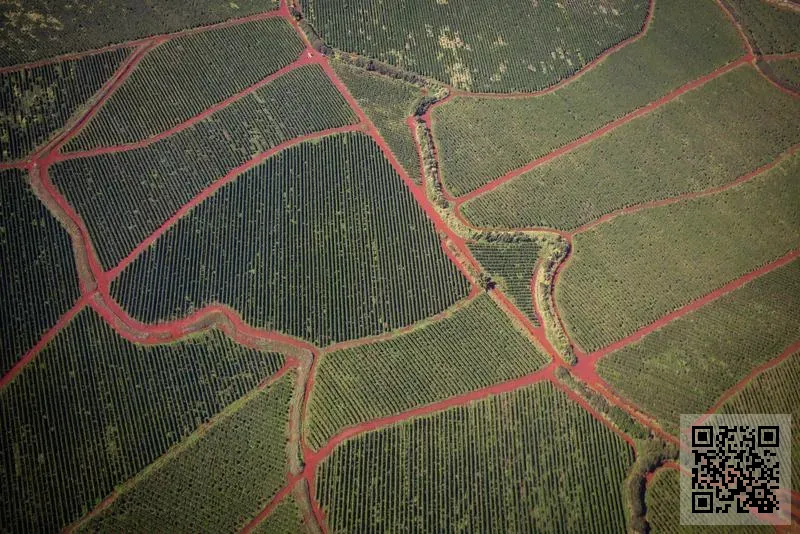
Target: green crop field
(499,47)
(181,78)
(786,72)
(679,148)
(418,368)
(507,463)
(287,517)
(686,366)
(480,139)
(695,246)
(35,258)
(770,29)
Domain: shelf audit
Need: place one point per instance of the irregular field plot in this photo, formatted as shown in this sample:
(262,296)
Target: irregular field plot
(388,103)
(499,46)
(530,461)
(786,72)
(38,278)
(480,139)
(93,409)
(38,101)
(771,30)
(322,241)
(705,138)
(688,364)
(220,481)
(511,265)
(628,272)
(124,197)
(42,29)
(182,77)
(474,347)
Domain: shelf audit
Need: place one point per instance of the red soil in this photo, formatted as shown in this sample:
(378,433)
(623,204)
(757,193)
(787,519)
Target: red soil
(276,499)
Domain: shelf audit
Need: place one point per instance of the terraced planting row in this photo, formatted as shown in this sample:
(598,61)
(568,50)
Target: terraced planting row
(94,409)
(629,272)
(473,347)
(480,139)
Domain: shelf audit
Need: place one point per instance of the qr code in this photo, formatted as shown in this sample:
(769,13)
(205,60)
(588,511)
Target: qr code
(736,469)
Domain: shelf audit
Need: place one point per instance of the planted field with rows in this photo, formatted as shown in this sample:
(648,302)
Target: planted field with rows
(473,347)
(511,265)
(770,29)
(688,364)
(219,480)
(701,140)
(180,78)
(286,517)
(480,139)
(38,278)
(125,196)
(477,46)
(42,29)
(786,72)
(95,409)
(627,273)
(322,241)
(774,391)
(388,103)
(37,101)
(531,460)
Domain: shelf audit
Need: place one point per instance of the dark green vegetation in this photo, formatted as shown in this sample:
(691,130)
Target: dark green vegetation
(530,461)
(184,76)
(688,364)
(498,46)
(638,267)
(771,30)
(774,391)
(702,139)
(387,102)
(650,454)
(511,266)
(285,518)
(36,102)
(481,139)
(219,480)
(786,72)
(474,347)
(124,197)
(322,241)
(36,29)
(38,279)
(92,410)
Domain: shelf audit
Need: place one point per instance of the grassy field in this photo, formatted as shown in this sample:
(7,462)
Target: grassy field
(94,409)
(43,29)
(688,364)
(480,139)
(473,347)
(531,460)
(124,197)
(35,259)
(219,481)
(36,102)
(498,47)
(387,102)
(770,30)
(322,241)
(184,76)
(702,139)
(627,273)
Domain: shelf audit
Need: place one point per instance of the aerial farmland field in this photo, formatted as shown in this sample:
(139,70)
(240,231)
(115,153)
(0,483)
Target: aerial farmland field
(401,266)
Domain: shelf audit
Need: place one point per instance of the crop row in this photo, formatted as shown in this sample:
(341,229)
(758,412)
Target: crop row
(703,139)
(786,72)
(686,39)
(526,461)
(771,30)
(688,364)
(218,481)
(94,409)
(38,278)
(473,347)
(500,46)
(38,101)
(322,241)
(182,77)
(124,197)
(287,517)
(638,267)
